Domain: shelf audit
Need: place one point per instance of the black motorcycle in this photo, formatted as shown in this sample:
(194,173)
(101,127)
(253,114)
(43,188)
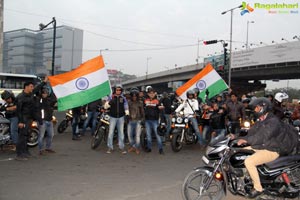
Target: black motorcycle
(65,123)
(101,132)
(182,132)
(225,170)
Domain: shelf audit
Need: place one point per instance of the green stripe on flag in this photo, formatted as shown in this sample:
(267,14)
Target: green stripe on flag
(84,97)
(214,89)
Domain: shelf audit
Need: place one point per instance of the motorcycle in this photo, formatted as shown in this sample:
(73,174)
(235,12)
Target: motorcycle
(182,132)
(225,170)
(5,136)
(102,129)
(65,123)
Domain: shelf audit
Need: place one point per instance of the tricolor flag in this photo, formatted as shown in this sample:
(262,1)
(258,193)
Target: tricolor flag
(206,79)
(85,84)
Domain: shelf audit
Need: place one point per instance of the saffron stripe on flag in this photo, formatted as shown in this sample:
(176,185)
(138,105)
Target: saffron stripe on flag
(85,68)
(84,97)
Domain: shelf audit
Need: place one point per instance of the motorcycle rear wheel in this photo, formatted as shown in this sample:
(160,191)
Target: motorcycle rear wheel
(97,137)
(33,137)
(62,126)
(194,182)
(176,144)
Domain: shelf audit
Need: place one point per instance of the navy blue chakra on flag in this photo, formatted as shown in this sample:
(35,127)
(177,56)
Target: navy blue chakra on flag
(201,85)
(82,83)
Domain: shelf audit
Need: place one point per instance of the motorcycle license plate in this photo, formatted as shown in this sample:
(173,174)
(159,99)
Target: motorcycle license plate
(205,160)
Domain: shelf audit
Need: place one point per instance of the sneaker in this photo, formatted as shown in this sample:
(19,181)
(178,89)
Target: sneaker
(161,151)
(21,158)
(131,149)
(137,151)
(123,151)
(109,150)
(147,150)
(50,151)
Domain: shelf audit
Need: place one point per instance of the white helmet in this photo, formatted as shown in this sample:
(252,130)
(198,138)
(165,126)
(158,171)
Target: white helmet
(280,96)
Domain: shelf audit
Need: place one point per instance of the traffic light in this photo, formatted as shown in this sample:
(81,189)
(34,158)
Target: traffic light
(221,71)
(225,56)
(210,42)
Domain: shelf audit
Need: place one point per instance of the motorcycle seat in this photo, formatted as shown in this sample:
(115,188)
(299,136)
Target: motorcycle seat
(283,161)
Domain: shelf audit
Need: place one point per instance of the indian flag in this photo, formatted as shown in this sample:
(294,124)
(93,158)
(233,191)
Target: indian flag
(85,84)
(206,79)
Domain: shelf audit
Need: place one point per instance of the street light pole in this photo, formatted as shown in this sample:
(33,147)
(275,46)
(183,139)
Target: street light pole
(42,27)
(148,58)
(230,58)
(247,46)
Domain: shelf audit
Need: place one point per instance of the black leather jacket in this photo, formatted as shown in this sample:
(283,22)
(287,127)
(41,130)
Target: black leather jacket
(265,134)
(26,107)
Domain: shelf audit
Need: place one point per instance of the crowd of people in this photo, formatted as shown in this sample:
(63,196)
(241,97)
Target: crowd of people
(210,118)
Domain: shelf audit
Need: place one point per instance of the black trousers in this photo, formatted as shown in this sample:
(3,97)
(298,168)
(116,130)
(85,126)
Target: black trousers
(21,147)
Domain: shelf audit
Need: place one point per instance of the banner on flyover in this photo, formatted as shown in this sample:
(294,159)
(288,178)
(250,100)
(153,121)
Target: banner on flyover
(272,54)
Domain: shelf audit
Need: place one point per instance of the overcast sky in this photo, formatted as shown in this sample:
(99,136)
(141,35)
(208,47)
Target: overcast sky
(164,31)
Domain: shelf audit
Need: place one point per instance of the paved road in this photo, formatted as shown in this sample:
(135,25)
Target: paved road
(76,172)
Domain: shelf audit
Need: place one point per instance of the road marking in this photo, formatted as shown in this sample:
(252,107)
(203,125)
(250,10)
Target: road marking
(7,159)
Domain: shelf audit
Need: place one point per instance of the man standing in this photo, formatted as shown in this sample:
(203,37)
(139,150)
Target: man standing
(118,108)
(235,111)
(151,119)
(25,111)
(45,107)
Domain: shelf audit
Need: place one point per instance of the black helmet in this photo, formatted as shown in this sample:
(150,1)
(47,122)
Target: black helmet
(6,94)
(161,129)
(134,91)
(263,102)
(246,100)
(190,92)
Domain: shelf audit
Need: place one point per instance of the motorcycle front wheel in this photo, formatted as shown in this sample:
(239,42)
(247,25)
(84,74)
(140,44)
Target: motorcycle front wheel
(97,137)
(144,139)
(62,126)
(193,186)
(33,137)
(176,143)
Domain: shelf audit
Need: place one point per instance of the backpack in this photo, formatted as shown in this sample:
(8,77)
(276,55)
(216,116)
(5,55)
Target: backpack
(289,139)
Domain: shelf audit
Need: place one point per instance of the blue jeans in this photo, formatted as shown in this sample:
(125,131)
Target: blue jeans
(194,122)
(219,133)
(152,125)
(46,126)
(206,130)
(113,122)
(168,123)
(14,129)
(134,129)
(92,115)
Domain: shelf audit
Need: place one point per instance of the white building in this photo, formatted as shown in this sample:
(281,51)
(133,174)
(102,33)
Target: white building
(30,52)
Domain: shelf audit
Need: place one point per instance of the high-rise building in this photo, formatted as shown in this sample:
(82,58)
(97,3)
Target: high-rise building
(1,35)
(30,51)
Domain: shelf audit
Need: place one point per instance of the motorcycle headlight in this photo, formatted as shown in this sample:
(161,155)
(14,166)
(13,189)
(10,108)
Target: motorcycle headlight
(247,124)
(179,120)
(186,120)
(34,124)
(106,117)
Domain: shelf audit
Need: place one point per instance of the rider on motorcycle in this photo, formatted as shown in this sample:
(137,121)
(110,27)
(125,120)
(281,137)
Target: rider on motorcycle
(263,138)
(190,106)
